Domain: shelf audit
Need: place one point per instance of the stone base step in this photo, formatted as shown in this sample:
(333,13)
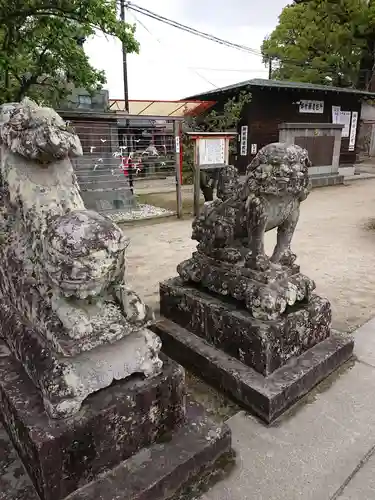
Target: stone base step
(132,440)
(326,180)
(266,397)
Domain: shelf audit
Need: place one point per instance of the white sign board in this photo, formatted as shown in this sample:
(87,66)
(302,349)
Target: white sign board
(254,149)
(345,117)
(306,106)
(353,131)
(177,144)
(243,140)
(336,110)
(211,151)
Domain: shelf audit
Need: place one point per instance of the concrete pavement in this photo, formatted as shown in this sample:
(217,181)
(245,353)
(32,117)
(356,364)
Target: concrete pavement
(323,449)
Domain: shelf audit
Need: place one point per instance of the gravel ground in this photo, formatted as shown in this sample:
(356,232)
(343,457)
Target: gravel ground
(334,241)
(140,212)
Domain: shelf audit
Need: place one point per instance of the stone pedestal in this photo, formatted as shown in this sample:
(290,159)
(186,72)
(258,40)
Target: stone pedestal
(263,365)
(135,439)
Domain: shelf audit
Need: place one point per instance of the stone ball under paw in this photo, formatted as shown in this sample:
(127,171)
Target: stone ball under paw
(83,253)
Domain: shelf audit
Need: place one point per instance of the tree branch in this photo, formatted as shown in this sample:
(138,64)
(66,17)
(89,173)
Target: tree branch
(54,12)
(25,85)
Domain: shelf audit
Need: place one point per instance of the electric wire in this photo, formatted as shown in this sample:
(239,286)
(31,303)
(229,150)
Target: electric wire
(161,43)
(277,61)
(207,36)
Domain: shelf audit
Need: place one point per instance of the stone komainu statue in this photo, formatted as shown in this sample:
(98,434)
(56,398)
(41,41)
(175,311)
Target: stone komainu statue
(230,257)
(65,311)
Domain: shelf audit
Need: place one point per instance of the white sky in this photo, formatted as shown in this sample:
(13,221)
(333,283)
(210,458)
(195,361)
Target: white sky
(169,65)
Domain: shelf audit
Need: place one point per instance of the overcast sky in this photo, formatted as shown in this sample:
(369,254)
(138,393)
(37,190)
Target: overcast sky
(173,64)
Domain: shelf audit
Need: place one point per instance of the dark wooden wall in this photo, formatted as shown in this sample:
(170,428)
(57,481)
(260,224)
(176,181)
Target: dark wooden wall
(269,107)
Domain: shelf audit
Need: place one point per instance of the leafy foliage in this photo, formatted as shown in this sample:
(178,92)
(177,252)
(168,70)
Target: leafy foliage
(322,41)
(41,42)
(225,120)
(215,121)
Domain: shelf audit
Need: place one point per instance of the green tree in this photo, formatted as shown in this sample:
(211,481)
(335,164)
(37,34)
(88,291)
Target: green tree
(41,42)
(321,41)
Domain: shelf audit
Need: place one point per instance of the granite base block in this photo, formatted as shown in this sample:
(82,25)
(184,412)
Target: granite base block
(15,484)
(163,471)
(266,397)
(113,424)
(262,345)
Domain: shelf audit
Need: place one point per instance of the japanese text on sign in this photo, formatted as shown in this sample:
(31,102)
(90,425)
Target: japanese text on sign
(336,110)
(306,106)
(211,151)
(343,118)
(353,131)
(243,140)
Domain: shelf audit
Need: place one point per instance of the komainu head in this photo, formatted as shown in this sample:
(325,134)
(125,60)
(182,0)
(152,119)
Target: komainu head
(280,169)
(38,133)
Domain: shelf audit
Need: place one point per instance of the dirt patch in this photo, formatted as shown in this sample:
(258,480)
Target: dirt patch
(217,406)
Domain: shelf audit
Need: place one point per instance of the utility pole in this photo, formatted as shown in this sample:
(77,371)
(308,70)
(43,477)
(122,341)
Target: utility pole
(124,60)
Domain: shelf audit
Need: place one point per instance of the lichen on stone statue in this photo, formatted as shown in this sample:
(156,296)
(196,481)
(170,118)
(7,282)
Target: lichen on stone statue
(39,134)
(66,311)
(231,258)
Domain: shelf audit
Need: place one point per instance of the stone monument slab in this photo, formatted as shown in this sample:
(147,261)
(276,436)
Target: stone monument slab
(252,324)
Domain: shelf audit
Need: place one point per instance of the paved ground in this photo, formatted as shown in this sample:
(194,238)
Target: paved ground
(323,449)
(333,242)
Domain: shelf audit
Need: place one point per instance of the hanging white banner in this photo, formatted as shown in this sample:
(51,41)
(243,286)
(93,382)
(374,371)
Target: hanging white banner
(243,140)
(353,131)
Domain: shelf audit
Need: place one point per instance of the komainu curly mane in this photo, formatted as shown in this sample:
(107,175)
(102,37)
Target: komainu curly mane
(39,133)
(280,169)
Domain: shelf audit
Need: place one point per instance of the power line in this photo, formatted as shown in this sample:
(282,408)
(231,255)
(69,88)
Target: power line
(183,27)
(207,36)
(228,70)
(188,29)
(194,70)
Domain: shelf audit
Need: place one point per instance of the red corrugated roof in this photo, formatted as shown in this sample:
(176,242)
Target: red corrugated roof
(161,108)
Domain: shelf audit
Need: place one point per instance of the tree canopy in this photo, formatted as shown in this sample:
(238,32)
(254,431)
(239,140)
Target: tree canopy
(324,41)
(41,42)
